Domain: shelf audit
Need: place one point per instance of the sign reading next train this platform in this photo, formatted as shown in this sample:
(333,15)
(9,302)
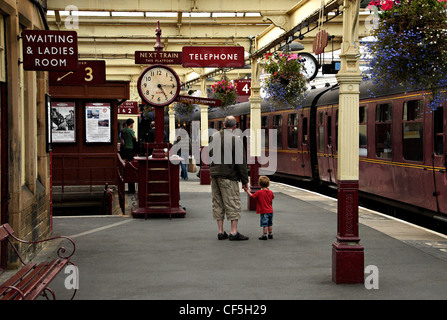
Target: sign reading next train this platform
(48,50)
(158,57)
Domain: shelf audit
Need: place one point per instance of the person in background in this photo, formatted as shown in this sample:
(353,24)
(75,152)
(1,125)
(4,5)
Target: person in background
(128,136)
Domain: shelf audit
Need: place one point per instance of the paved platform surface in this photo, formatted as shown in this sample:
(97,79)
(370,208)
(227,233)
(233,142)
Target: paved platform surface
(120,257)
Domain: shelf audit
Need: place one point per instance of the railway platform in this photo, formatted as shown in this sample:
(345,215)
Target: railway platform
(125,258)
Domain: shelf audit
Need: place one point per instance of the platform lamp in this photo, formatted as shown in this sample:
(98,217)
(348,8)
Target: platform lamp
(292,47)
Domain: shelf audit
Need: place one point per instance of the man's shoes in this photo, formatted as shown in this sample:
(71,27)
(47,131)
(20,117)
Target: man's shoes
(222,236)
(238,236)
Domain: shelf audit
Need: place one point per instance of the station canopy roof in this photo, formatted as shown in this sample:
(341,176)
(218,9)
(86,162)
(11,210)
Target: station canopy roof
(113,30)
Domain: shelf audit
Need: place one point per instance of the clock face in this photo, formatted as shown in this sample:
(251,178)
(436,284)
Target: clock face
(158,85)
(310,65)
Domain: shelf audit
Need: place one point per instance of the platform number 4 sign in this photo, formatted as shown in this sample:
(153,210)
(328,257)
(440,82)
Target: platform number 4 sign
(243,87)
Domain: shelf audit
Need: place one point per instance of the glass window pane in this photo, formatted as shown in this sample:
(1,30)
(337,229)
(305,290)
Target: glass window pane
(384,112)
(383,141)
(321,139)
(265,136)
(292,131)
(412,133)
(277,124)
(362,114)
(363,151)
(413,110)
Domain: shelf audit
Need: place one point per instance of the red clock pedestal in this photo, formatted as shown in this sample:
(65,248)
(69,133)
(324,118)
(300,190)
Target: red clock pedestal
(158,178)
(158,188)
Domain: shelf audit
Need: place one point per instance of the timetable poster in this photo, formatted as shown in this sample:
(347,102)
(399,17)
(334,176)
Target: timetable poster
(62,122)
(97,122)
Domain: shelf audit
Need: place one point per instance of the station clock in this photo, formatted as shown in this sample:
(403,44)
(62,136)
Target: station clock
(310,65)
(158,85)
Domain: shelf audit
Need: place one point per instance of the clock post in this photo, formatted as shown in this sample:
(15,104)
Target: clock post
(158,176)
(159,111)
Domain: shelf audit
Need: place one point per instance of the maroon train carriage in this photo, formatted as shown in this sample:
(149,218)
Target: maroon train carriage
(402,151)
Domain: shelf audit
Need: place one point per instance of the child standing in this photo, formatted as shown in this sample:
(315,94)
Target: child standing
(264,206)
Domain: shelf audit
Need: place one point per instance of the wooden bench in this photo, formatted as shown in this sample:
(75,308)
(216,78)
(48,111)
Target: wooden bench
(32,279)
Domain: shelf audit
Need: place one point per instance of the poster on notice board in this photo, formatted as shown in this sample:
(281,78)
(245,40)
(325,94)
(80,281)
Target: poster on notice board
(98,123)
(62,117)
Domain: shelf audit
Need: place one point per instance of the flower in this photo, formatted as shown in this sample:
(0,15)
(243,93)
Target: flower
(225,91)
(411,45)
(286,84)
(387,5)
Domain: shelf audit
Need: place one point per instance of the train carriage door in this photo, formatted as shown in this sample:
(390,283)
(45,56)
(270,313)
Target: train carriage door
(439,157)
(303,145)
(439,129)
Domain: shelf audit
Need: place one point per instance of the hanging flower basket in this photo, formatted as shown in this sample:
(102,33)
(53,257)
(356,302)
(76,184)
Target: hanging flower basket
(411,44)
(285,84)
(224,91)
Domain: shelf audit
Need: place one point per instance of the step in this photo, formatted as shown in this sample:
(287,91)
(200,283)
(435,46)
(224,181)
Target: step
(157,207)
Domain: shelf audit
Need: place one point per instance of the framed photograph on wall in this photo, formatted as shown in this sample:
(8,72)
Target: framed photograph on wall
(63,122)
(98,126)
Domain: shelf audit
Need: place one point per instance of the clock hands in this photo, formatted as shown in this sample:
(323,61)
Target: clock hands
(161,87)
(166,85)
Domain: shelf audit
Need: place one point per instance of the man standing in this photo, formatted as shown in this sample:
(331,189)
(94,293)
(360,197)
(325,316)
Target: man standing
(128,135)
(228,165)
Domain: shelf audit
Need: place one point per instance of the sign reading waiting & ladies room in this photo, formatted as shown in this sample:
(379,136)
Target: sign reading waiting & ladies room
(48,50)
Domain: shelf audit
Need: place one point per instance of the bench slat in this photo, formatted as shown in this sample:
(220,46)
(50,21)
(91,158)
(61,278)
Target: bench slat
(25,281)
(50,273)
(17,277)
(38,276)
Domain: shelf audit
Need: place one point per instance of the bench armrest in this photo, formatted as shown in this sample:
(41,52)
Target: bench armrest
(60,251)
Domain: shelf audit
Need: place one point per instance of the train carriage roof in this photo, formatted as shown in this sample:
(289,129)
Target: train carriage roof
(324,96)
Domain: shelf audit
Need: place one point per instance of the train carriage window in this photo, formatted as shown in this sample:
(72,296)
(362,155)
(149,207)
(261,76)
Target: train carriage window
(363,150)
(412,130)
(264,126)
(277,124)
(383,130)
(292,131)
(212,124)
(438,131)
(321,132)
(304,136)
